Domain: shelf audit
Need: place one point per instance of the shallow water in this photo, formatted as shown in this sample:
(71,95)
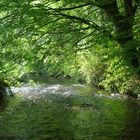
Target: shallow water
(68,112)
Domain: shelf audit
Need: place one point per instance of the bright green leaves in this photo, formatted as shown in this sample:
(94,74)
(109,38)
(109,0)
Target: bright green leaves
(67,37)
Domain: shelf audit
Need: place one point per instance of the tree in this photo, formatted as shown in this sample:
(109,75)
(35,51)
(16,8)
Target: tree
(64,27)
(48,17)
(123,22)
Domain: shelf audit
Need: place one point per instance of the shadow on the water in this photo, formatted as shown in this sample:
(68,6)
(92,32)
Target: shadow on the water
(5,101)
(132,120)
(2,104)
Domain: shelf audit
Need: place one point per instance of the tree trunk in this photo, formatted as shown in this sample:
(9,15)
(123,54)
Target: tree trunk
(123,25)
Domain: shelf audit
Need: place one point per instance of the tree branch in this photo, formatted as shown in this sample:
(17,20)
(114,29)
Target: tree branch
(72,8)
(82,20)
(130,9)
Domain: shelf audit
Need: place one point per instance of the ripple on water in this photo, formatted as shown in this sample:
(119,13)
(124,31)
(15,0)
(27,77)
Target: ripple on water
(54,112)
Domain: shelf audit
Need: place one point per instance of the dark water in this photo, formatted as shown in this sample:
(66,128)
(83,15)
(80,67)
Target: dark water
(68,112)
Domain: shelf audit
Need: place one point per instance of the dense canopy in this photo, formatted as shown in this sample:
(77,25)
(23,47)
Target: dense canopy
(96,41)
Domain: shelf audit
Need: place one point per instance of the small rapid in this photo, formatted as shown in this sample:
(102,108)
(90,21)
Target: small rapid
(38,90)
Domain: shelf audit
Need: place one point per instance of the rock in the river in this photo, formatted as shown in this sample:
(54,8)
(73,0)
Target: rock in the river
(4,89)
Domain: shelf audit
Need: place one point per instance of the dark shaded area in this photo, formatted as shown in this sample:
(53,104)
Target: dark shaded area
(4,90)
(124,24)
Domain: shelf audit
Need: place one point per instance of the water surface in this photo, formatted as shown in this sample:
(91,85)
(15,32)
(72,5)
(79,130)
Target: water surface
(68,112)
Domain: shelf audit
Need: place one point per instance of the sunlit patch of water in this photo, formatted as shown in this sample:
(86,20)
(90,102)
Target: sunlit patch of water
(36,91)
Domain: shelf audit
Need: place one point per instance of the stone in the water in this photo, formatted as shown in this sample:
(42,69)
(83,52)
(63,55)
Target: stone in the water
(4,89)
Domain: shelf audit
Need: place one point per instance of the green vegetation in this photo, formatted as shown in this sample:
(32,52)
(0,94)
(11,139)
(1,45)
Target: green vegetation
(93,41)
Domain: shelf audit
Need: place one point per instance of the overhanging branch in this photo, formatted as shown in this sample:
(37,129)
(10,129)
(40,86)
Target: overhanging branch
(72,8)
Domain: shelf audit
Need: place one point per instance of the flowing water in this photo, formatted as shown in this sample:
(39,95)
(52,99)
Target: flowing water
(68,112)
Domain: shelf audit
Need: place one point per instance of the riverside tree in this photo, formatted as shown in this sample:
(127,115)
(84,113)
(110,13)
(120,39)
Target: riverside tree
(65,27)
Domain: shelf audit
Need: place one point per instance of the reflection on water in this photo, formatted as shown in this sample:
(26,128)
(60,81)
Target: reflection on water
(68,112)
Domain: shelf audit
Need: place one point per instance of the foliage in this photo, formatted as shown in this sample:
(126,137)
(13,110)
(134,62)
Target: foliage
(91,66)
(93,40)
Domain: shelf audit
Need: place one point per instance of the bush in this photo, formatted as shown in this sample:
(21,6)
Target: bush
(92,68)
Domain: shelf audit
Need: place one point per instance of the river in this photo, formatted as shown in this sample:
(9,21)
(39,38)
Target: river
(67,111)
